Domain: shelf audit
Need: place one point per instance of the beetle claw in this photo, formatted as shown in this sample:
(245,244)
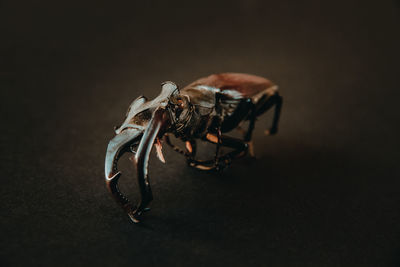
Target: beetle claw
(271,131)
(134,216)
(222,163)
(146,209)
(251,149)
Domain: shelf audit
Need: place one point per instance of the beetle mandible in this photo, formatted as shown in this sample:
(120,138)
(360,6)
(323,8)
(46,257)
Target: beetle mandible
(206,109)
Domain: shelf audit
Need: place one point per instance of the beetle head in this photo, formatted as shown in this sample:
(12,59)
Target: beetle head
(180,111)
(139,118)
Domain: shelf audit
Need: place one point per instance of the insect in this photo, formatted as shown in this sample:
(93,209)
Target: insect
(205,110)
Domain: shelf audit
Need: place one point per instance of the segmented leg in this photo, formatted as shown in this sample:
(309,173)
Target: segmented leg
(263,106)
(191,149)
(219,134)
(174,147)
(189,153)
(252,119)
(240,149)
(190,145)
(277,114)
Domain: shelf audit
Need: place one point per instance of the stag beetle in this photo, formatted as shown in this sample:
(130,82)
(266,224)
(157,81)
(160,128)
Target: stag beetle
(205,109)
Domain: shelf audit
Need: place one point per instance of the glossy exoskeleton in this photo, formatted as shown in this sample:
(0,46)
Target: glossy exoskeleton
(205,109)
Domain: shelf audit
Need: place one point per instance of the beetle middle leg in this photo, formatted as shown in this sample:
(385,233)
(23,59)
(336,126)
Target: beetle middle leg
(240,149)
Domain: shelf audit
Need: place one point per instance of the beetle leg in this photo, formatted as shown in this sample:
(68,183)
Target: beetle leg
(247,136)
(174,147)
(216,159)
(190,157)
(251,149)
(276,100)
(278,107)
(190,145)
(240,129)
(240,149)
(204,165)
(190,153)
(191,149)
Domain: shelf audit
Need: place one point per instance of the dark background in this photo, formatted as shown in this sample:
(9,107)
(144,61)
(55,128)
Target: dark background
(323,192)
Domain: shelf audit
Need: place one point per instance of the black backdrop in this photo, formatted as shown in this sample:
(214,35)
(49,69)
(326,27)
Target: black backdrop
(323,192)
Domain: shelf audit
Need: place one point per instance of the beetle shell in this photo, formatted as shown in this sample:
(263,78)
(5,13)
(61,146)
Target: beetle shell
(226,97)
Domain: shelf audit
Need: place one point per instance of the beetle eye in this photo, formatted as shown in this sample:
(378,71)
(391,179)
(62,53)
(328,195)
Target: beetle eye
(180,103)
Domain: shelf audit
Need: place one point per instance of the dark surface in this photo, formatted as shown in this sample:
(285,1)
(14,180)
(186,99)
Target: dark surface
(323,192)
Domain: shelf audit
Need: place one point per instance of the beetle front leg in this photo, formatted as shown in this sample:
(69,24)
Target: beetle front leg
(189,152)
(174,147)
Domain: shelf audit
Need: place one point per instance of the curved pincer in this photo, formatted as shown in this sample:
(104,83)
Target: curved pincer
(116,148)
(156,128)
(122,143)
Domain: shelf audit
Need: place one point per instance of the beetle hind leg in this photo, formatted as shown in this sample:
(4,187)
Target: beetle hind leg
(274,100)
(249,133)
